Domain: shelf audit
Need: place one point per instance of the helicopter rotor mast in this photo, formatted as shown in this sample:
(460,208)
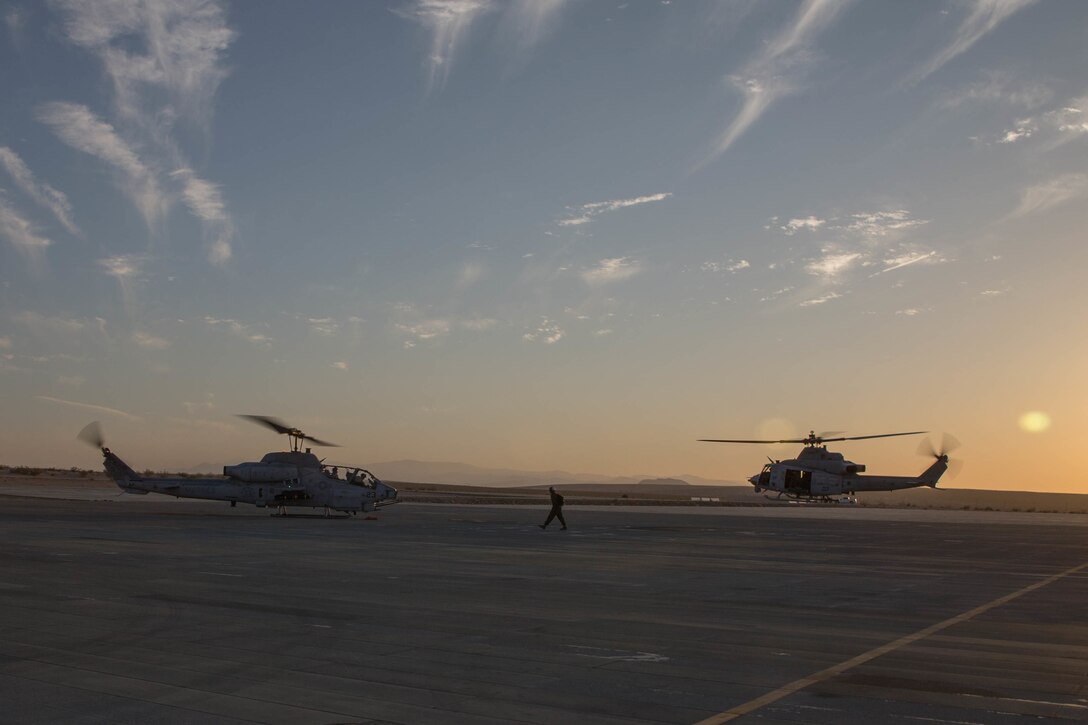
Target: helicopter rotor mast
(812,440)
(295,435)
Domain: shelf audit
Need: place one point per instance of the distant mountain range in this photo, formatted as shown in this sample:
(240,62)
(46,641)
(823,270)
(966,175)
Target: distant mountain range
(466,474)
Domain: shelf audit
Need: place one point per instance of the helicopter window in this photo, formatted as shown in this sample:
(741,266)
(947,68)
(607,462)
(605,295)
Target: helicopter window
(364,479)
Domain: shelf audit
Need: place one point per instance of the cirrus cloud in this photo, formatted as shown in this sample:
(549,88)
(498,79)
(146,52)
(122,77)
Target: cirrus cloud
(611,270)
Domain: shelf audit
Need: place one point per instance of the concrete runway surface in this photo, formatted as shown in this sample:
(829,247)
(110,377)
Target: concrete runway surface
(182,612)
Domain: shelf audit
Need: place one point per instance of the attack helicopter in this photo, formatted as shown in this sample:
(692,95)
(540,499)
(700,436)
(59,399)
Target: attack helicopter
(818,474)
(294,478)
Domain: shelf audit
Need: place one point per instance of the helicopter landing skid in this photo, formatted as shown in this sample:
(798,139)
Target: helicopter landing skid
(309,516)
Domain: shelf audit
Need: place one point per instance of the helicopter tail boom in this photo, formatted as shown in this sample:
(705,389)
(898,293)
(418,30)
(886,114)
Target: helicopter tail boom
(931,475)
(121,473)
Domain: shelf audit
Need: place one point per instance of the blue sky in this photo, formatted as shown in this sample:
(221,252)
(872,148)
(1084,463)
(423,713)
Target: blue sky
(546,234)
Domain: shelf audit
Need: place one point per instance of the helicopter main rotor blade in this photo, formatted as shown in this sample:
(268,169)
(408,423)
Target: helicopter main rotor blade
(728,440)
(280,427)
(92,435)
(812,438)
(269,422)
(318,442)
(879,435)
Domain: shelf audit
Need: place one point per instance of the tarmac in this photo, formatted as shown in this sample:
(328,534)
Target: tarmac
(190,612)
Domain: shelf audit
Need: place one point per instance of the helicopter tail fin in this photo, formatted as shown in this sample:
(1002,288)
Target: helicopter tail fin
(121,473)
(931,475)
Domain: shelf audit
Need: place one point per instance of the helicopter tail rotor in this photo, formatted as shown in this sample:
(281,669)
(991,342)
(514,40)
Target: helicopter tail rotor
(952,465)
(92,435)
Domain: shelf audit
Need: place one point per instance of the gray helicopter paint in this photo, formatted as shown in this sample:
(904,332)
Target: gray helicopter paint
(310,486)
(818,473)
(281,479)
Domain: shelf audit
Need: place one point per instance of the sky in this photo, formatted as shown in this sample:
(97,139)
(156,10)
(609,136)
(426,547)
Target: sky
(547,234)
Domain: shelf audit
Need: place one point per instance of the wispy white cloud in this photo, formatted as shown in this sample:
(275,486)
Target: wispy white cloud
(165,60)
(339,365)
(41,192)
(779,67)
(45,324)
(522,25)
(174,45)
(208,404)
(424,330)
(907,259)
(984,16)
(774,295)
(859,240)
(77,126)
(1049,194)
(151,342)
(1072,119)
(730,266)
(20,232)
(122,266)
(546,332)
(882,223)
(810,223)
(1053,128)
(612,270)
(998,87)
(832,264)
(1023,129)
(469,274)
(238,329)
(126,269)
(205,201)
(89,406)
(479,324)
(527,22)
(323,325)
(448,22)
(822,299)
(871,225)
(586,212)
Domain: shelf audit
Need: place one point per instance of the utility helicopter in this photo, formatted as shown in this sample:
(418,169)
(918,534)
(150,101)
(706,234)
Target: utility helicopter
(294,478)
(818,474)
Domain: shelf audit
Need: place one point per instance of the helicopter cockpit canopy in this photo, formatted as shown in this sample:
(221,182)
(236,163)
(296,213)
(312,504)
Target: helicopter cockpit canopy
(352,474)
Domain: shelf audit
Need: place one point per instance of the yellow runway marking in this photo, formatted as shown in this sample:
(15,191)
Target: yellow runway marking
(786,690)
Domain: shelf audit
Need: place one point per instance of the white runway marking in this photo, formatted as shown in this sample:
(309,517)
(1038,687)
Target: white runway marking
(826,674)
(619,655)
(220,573)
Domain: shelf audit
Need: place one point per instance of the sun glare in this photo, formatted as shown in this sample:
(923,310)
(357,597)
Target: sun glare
(1034,421)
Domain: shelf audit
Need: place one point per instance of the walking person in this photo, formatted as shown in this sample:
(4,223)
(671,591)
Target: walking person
(557,509)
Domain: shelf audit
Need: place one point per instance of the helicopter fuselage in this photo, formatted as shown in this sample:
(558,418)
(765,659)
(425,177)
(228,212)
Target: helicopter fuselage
(819,473)
(290,478)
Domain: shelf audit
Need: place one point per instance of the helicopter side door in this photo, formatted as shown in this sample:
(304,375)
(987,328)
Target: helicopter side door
(776,480)
(798,481)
